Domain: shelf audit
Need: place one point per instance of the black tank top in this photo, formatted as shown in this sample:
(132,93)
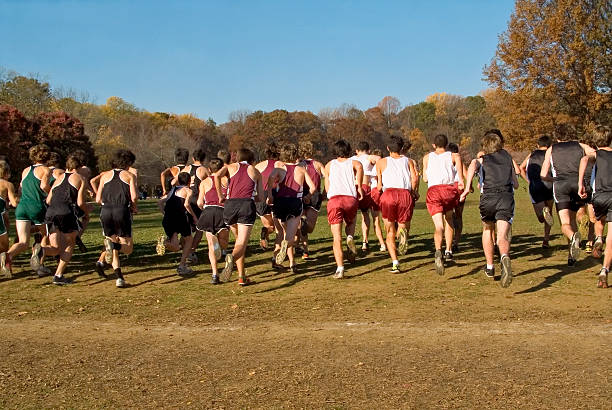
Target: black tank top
(116,192)
(565,159)
(175,205)
(603,171)
(195,180)
(534,167)
(497,171)
(64,198)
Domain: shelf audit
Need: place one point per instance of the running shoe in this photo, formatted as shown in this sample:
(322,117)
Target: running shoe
(588,247)
(60,280)
(282,253)
(339,274)
(597,247)
(5,265)
(548,218)
(108,247)
(448,256)
(36,254)
(490,273)
(293,270)
(352,249)
(403,241)
(215,280)
(545,245)
(575,246)
(120,283)
(43,271)
(571,261)
(263,241)
(365,246)
(216,247)
(455,247)
(100,270)
(602,278)
(184,270)
(395,268)
(383,248)
(226,273)
(244,281)
(305,255)
(439,262)
(506,274)
(275,265)
(160,248)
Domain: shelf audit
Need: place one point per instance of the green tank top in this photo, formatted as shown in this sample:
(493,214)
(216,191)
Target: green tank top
(2,205)
(30,188)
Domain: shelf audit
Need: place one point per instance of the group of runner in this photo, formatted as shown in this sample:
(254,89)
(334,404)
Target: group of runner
(286,190)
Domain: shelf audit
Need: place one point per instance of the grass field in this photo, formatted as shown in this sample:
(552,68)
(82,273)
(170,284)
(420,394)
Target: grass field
(374,339)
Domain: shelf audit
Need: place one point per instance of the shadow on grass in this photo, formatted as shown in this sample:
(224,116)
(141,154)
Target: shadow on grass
(562,270)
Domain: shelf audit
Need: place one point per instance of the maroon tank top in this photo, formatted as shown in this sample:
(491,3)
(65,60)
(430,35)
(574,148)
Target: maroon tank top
(211,197)
(241,185)
(288,188)
(265,174)
(313,174)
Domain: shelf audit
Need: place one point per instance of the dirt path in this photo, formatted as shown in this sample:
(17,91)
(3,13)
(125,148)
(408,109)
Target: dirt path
(331,365)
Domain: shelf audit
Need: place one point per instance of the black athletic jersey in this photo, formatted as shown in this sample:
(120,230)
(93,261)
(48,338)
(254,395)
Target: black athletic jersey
(603,171)
(175,205)
(116,192)
(496,172)
(64,198)
(534,166)
(565,160)
(195,181)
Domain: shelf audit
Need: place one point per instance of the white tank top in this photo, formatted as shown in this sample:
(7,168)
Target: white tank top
(368,167)
(397,173)
(341,179)
(440,169)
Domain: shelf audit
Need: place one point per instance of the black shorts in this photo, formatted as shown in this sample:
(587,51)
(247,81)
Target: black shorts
(286,208)
(497,206)
(239,211)
(177,223)
(116,221)
(602,205)
(540,192)
(79,212)
(64,223)
(566,196)
(212,220)
(315,201)
(262,208)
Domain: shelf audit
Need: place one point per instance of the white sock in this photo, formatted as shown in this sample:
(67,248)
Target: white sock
(396,262)
(349,236)
(489,266)
(340,269)
(505,254)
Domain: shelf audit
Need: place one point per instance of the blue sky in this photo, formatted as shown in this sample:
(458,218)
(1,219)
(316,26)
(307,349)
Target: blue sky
(210,58)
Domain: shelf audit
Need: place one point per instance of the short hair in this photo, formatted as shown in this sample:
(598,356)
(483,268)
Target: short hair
(564,131)
(183,178)
(245,154)
(341,149)
(215,164)
(396,144)
(602,136)
(272,151)
(74,161)
(289,153)
(54,160)
(199,155)
(224,156)
(452,147)
(440,141)
(5,170)
(497,132)
(545,141)
(123,159)
(363,146)
(491,142)
(306,149)
(39,154)
(82,155)
(181,155)
(377,151)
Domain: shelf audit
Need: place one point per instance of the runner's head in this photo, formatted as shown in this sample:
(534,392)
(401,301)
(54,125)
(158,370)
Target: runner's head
(377,152)
(498,133)
(181,155)
(39,154)
(55,160)
(123,159)
(491,142)
(306,149)
(183,178)
(272,152)
(5,170)
(199,155)
(396,144)
(544,141)
(224,156)
(245,155)
(289,153)
(564,132)
(452,147)
(440,141)
(602,137)
(73,162)
(215,165)
(82,156)
(341,149)
(363,147)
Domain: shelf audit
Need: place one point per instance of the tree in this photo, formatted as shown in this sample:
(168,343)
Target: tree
(28,95)
(554,53)
(15,139)
(389,106)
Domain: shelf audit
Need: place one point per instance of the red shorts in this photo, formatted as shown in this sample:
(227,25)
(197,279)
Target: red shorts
(365,203)
(397,205)
(441,199)
(341,208)
(375,196)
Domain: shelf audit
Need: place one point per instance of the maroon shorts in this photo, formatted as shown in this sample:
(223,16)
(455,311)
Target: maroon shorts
(441,198)
(375,196)
(341,208)
(397,205)
(365,203)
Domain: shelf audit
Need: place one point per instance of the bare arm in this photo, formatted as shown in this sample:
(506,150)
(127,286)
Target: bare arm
(326,175)
(81,201)
(587,149)
(163,177)
(523,168)
(425,162)
(44,180)
(358,168)
(379,172)
(12,196)
(310,182)
(188,205)
(273,179)
(581,170)
(259,196)
(201,196)
(217,177)
(472,169)
(458,163)
(414,178)
(546,166)
(95,182)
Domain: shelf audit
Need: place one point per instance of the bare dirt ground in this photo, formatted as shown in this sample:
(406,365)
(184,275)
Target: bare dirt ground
(413,340)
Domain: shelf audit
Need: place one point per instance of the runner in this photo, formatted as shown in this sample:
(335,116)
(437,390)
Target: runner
(289,176)
(365,204)
(441,168)
(67,193)
(264,211)
(198,172)
(54,163)
(497,184)
(30,212)
(312,203)
(458,211)
(563,160)
(397,180)
(178,219)
(602,196)
(181,156)
(245,188)
(211,220)
(375,195)
(116,192)
(343,200)
(83,213)
(7,197)
(540,191)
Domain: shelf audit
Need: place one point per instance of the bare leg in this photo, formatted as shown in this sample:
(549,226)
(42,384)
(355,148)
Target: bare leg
(23,236)
(336,230)
(365,225)
(68,241)
(438,220)
(391,232)
(449,230)
(488,229)
(242,240)
(502,237)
